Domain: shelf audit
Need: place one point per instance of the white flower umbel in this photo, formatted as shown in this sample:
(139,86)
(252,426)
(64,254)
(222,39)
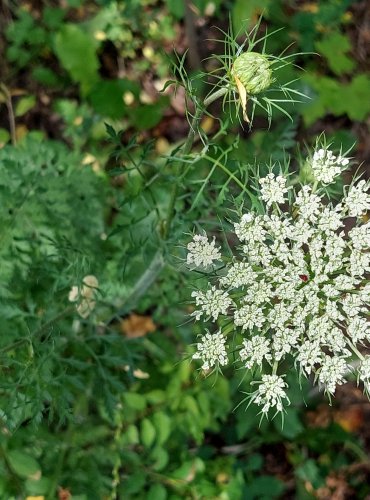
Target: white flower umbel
(270,393)
(358,200)
(332,373)
(212,303)
(296,292)
(239,274)
(273,189)
(364,374)
(201,252)
(326,166)
(211,350)
(254,351)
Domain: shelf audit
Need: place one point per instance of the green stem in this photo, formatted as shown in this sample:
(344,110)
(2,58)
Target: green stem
(9,105)
(275,367)
(185,151)
(355,350)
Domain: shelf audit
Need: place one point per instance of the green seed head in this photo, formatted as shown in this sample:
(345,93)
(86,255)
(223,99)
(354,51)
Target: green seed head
(253,70)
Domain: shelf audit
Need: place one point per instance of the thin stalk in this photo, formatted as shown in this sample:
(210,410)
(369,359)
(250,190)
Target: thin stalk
(185,151)
(9,105)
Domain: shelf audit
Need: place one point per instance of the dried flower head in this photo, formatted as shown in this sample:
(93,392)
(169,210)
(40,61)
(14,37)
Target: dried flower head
(85,295)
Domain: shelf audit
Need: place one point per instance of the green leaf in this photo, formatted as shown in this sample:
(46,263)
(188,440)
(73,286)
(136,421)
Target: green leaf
(176,8)
(132,434)
(243,13)
(53,17)
(76,51)
(160,458)
(156,396)
(292,426)
(24,105)
(265,487)
(23,465)
(4,137)
(45,76)
(107,97)
(334,47)
(254,463)
(135,401)
(148,116)
(310,472)
(147,433)
(37,486)
(162,423)
(357,98)
(156,492)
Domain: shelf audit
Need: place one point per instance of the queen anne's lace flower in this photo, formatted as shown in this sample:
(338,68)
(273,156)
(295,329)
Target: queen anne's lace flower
(360,237)
(201,252)
(358,200)
(332,372)
(239,275)
(211,350)
(308,203)
(298,288)
(273,189)
(364,373)
(270,393)
(212,303)
(254,351)
(326,166)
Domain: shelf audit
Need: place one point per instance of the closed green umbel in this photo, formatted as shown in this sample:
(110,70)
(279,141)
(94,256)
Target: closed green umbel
(253,71)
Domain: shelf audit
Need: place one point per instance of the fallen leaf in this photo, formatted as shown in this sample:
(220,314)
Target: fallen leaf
(351,419)
(137,326)
(64,494)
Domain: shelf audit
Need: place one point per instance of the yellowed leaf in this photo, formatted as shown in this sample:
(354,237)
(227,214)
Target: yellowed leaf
(243,97)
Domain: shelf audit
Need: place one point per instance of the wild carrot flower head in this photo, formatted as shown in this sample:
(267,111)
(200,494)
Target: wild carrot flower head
(296,288)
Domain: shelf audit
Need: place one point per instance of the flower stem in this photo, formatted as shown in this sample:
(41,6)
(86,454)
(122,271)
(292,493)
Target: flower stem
(185,151)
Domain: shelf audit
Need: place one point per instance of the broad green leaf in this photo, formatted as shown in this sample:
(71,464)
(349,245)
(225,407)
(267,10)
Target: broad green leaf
(45,76)
(37,486)
(310,472)
(4,137)
(147,433)
(292,426)
(162,423)
(135,401)
(334,47)
(156,396)
(157,492)
(132,434)
(244,13)
(107,97)
(76,51)
(357,98)
(265,487)
(147,116)
(160,458)
(176,8)
(23,465)
(24,105)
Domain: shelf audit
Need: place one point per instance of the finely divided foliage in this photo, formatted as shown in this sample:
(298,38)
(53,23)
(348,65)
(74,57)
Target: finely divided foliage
(296,288)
